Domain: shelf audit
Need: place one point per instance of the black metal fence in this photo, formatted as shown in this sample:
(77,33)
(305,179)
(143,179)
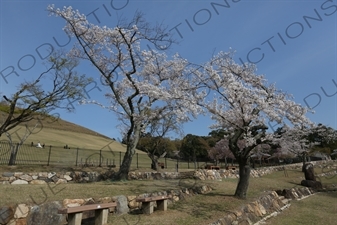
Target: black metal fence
(61,156)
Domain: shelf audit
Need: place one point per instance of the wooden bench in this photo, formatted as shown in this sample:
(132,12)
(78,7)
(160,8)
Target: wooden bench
(231,168)
(148,203)
(211,167)
(101,213)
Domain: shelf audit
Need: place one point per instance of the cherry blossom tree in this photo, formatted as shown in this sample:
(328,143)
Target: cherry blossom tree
(141,85)
(293,141)
(242,102)
(220,151)
(299,141)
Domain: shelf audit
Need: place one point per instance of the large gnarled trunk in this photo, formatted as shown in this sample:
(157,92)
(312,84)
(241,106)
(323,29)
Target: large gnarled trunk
(154,163)
(124,169)
(244,173)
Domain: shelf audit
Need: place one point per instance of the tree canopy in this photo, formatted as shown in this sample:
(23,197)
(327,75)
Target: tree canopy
(242,103)
(144,86)
(141,85)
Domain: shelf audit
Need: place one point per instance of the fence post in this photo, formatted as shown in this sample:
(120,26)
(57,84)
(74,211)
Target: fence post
(100,158)
(188,163)
(137,160)
(49,155)
(77,156)
(165,163)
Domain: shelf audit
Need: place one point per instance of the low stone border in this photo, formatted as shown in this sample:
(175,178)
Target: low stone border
(204,174)
(328,167)
(24,214)
(264,207)
(49,177)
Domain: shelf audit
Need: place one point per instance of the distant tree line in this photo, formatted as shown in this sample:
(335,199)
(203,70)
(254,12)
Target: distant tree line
(194,148)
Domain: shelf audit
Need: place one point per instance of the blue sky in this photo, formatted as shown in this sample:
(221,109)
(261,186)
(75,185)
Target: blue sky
(293,44)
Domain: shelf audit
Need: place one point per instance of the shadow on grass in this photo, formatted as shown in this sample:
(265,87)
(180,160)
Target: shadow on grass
(294,183)
(202,210)
(211,194)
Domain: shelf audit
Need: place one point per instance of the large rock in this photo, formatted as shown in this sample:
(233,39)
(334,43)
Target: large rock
(67,177)
(43,174)
(4,178)
(132,202)
(73,202)
(18,174)
(8,174)
(19,182)
(46,214)
(26,177)
(316,185)
(47,180)
(309,173)
(21,211)
(6,214)
(105,200)
(38,182)
(290,193)
(22,221)
(61,181)
(122,204)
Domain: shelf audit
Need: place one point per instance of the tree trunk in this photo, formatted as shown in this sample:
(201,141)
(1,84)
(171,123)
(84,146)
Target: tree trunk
(244,173)
(154,163)
(123,172)
(304,161)
(14,152)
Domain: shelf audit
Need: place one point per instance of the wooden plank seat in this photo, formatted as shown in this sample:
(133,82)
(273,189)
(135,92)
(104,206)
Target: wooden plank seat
(101,212)
(212,167)
(148,203)
(231,168)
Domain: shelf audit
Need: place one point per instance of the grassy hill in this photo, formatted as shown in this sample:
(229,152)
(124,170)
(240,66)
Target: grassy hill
(58,132)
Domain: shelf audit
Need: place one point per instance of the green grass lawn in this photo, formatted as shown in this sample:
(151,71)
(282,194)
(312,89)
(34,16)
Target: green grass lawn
(199,209)
(318,209)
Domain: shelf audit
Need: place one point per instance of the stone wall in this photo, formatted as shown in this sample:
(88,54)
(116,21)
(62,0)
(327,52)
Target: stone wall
(327,167)
(264,207)
(271,204)
(23,214)
(48,177)
(258,211)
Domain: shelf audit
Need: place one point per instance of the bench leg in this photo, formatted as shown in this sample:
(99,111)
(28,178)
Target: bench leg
(162,205)
(101,216)
(74,218)
(147,207)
